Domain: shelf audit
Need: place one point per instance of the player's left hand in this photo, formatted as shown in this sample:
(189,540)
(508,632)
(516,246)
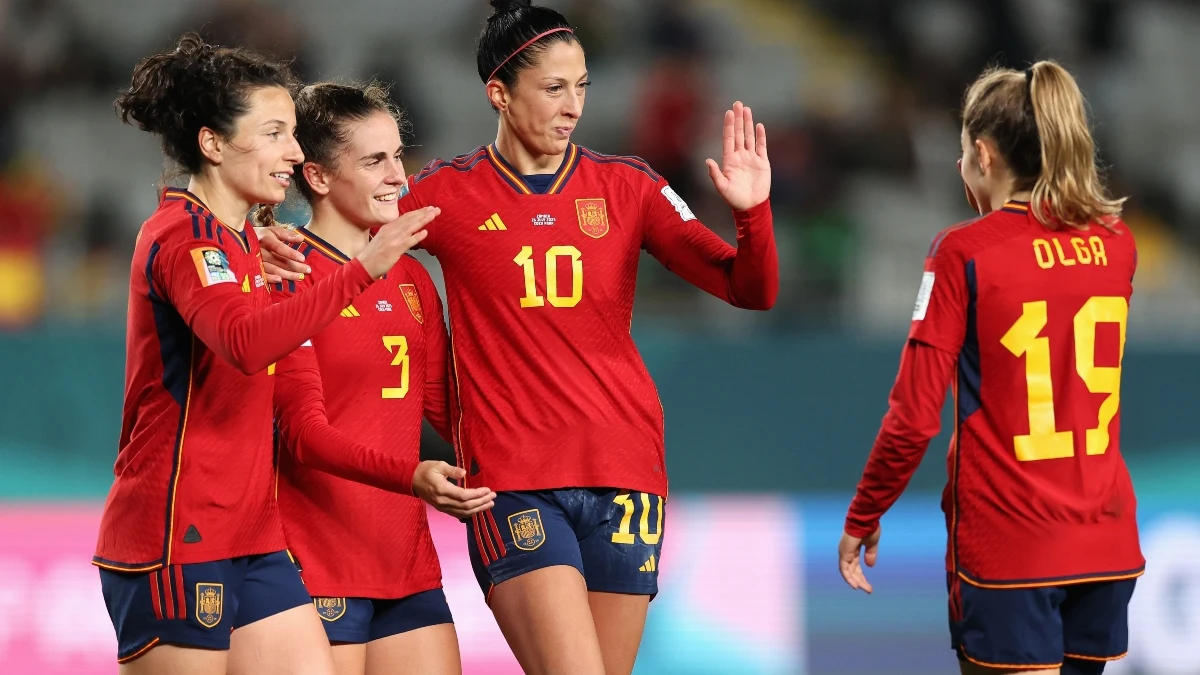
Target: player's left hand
(431,482)
(744,177)
(280,261)
(849,556)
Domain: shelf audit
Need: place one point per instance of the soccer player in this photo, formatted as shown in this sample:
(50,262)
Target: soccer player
(1024,311)
(367,555)
(191,546)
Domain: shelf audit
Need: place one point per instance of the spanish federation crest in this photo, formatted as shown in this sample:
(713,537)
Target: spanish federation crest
(527,530)
(330,609)
(210,600)
(413,299)
(593,217)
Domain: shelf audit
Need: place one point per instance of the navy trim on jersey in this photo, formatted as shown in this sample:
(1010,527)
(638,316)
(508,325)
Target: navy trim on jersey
(517,182)
(460,163)
(174,337)
(321,246)
(970,375)
(1054,581)
(635,162)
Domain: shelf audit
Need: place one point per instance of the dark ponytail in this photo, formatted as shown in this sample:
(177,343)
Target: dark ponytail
(513,24)
(175,94)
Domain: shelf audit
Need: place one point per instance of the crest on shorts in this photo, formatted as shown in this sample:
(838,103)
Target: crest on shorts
(593,217)
(413,299)
(210,600)
(527,530)
(330,609)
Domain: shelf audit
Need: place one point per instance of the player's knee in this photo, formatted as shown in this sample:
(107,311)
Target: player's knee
(1082,667)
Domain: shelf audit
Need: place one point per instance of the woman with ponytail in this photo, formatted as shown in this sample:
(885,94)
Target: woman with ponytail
(191,547)
(1024,312)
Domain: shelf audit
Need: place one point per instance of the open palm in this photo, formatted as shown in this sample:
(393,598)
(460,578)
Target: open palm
(744,177)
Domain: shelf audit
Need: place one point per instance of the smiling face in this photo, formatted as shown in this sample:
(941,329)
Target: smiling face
(547,101)
(364,183)
(257,160)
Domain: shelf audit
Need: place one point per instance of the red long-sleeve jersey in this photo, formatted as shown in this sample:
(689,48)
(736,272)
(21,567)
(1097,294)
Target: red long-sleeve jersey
(381,366)
(1030,323)
(550,390)
(194,480)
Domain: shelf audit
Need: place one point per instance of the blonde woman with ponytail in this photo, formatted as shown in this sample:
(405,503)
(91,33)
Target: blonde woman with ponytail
(1023,311)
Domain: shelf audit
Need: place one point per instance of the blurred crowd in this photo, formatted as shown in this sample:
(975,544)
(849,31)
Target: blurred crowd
(861,102)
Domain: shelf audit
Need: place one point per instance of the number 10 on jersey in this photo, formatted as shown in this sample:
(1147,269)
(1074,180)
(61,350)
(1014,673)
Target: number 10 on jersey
(528,264)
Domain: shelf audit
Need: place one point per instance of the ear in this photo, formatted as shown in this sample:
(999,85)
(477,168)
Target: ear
(498,94)
(211,145)
(987,156)
(317,177)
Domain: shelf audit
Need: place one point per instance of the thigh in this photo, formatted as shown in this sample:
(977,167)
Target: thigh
(620,619)
(172,660)
(1096,620)
(1007,629)
(429,650)
(180,605)
(523,532)
(545,618)
(620,539)
(291,642)
(350,659)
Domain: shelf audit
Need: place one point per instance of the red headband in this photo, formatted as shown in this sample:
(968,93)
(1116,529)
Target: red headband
(522,48)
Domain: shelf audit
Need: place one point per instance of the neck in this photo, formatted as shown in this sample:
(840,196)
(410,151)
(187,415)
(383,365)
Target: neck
(522,158)
(226,205)
(334,228)
(1002,198)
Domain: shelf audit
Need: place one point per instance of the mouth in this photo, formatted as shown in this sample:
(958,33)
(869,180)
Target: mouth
(389,198)
(564,131)
(284,178)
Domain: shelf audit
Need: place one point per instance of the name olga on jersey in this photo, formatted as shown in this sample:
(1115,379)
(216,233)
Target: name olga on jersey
(1084,252)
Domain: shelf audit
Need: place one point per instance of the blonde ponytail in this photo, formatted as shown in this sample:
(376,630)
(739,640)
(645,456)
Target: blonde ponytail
(1069,189)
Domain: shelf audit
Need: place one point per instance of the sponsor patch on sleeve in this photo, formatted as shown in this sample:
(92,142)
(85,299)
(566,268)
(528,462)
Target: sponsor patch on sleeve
(213,266)
(680,206)
(923,294)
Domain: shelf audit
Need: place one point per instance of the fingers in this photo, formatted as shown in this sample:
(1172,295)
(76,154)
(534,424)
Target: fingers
(286,234)
(748,127)
(853,575)
(276,274)
(871,555)
(760,141)
(739,130)
(415,220)
(720,182)
(450,471)
(727,134)
(468,508)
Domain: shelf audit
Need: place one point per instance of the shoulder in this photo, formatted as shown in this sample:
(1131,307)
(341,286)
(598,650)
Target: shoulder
(416,274)
(633,169)
(971,237)
(443,168)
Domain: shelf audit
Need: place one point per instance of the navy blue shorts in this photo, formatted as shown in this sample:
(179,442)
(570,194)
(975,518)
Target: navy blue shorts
(1039,627)
(198,605)
(361,620)
(613,537)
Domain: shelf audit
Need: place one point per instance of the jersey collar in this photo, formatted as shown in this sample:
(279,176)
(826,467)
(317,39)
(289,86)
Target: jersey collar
(1013,206)
(516,182)
(197,208)
(323,247)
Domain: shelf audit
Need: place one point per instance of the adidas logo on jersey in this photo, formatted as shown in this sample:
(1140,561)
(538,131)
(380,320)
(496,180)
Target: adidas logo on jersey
(543,220)
(493,223)
(350,312)
(383,306)
(650,566)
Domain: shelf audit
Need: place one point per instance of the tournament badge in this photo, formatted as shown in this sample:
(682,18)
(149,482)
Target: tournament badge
(210,600)
(213,266)
(527,531)
(330,609)
(413,299)
(593,217)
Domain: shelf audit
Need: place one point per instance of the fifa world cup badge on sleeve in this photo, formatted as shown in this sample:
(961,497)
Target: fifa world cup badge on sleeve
(210,599)
(527,530)
(330,609)
(593,217)
(923,294)
(213,266)
(413,299)
(680,205)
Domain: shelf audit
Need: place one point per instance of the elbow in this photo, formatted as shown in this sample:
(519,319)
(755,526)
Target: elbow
(759,302)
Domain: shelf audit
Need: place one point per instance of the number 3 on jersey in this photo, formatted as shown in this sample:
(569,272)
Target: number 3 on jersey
(1044,441)
(532,299)
(397,345)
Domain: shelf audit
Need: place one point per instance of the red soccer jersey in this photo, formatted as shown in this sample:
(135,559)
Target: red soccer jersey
(550,389)
(1038,490)
(382,367)
(194,474)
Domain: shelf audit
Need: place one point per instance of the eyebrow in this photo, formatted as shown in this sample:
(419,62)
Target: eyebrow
(379,156)
(559,78)
(274,122)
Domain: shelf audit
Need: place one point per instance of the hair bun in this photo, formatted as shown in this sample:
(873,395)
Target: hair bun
(506,6)
(192,46)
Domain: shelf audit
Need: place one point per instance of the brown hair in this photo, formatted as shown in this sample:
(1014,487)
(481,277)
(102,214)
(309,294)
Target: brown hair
(1039,124)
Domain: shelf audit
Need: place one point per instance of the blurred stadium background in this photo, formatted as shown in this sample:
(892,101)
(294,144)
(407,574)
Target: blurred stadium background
(770,416)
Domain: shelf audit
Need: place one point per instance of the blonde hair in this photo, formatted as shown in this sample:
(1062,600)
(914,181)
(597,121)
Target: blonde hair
(1038,122)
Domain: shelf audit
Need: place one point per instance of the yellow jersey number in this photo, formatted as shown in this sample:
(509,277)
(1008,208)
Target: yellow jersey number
(1044,441)
(526,261)
(623,534)
(397,346)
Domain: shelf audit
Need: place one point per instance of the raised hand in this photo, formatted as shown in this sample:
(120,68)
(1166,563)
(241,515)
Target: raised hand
(850,559)
(431,482)
(395,239)
(743,178)
(280,261)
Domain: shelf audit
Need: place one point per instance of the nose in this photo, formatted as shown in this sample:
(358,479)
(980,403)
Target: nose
(395,173)
(294,154)
(574,105)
